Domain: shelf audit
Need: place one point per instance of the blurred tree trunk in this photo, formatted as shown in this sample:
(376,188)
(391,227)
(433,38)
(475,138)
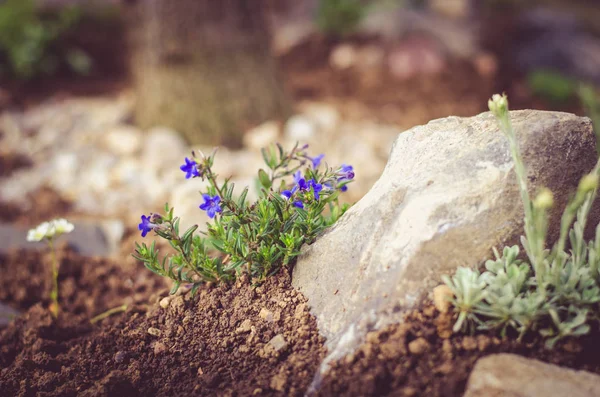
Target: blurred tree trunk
(204,68)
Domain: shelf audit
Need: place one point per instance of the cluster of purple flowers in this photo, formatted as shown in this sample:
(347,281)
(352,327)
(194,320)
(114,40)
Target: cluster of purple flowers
(302,185)
(212,205)
(344,174)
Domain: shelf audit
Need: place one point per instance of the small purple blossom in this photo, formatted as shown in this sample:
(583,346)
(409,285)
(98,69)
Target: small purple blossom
(316,161)
(300,182)
(317,187)
(211,205)
(346,172)
(190,168)
(145,226)
(287,194)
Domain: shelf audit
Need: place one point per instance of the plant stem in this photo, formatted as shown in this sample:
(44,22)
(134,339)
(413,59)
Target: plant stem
(536,249)
(109,312)
(54,307)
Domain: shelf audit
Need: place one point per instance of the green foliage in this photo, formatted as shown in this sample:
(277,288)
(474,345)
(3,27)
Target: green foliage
(254,238)
(551,85)
(554,292)
(27,39)
(339,17)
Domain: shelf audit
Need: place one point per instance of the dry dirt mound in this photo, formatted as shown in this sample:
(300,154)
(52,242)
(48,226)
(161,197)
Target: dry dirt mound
(228,340)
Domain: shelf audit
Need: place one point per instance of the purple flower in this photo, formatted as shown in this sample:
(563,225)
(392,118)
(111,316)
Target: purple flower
(346,172)
(145,226)
(317,187)
(190,168)
(316,160)
(211,205)
(300,182)
(287,194)
(343,188)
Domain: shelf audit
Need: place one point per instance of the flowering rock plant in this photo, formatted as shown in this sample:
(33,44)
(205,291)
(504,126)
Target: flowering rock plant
(298,199)
(551,291)
(48,232)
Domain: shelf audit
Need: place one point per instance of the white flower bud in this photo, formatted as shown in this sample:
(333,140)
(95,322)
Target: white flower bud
(498,104)
(544,200)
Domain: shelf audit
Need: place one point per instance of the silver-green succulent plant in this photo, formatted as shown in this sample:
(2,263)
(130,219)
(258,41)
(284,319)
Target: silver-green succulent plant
(554,292)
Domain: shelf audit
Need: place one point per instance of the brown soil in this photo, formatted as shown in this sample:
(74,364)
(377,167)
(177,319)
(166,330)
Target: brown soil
(216,343)
(421,357)
(373,94)
(87,286)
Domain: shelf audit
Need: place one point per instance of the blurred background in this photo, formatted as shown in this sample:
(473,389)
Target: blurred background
(100,101)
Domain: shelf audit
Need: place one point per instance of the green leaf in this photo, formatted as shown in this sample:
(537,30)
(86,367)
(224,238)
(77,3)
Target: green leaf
(174,288)
(242,199)
(265,156)
(188,233)
(264,179)
(195,289)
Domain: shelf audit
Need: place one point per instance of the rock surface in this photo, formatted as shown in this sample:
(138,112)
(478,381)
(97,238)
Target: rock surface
(446,197)
(509,375)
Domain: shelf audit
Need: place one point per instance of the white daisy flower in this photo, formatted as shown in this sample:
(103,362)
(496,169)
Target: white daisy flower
(40,232)
(50,229)
(62,226)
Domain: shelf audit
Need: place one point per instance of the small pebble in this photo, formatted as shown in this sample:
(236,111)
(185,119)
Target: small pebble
(445,368)
(154,331)
(120,356)
(278,343)
(469,343)
(159,348)
(483,342)
(418,346)
(441,298)
(164,302)
(299,312)
(266,315)
(245,326)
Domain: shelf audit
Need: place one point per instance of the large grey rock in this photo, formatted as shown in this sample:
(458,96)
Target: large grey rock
(509,375)
(446,197)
